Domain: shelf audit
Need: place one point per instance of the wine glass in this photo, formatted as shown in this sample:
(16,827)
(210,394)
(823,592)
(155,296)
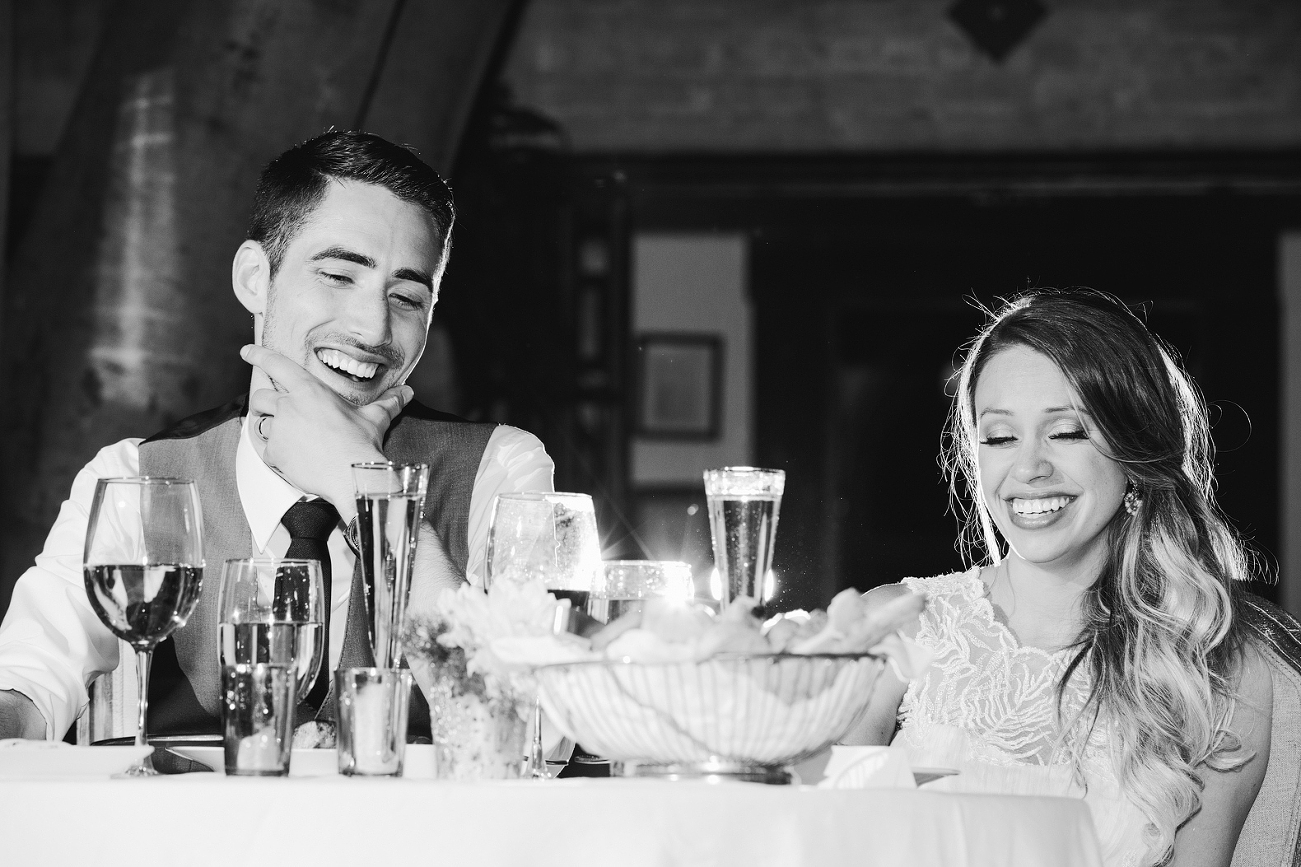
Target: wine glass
(553,538)
(144,568)
(273,611)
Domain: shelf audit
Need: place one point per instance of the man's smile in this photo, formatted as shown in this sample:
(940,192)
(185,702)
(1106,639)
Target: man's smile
(352,368)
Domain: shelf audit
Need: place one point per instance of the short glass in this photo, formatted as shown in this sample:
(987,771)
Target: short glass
(629,583)
(257,718)
(372,720)
(273,611)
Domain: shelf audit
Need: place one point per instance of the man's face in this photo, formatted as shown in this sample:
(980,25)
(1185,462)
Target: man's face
(352,299)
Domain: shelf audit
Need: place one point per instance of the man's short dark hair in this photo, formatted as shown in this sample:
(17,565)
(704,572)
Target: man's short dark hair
(294,183)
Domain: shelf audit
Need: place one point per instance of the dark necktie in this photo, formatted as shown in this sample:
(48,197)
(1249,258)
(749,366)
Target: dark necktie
(309,524)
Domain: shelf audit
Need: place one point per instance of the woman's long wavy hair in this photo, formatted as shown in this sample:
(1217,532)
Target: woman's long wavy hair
(1159,636)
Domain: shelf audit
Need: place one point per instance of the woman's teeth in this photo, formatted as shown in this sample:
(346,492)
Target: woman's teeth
(359,370)
(1039,506)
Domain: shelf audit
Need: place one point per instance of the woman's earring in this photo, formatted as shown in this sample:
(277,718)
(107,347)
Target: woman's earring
(1133,499)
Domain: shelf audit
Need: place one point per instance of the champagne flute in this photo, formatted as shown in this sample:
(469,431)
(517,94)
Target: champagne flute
(273,611)
(144,568)
(553,538)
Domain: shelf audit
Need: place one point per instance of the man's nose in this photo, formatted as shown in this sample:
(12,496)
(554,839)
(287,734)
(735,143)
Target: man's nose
(368,316)
(1032,462)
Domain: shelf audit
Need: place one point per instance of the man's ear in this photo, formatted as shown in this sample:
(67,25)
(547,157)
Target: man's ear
(250,276)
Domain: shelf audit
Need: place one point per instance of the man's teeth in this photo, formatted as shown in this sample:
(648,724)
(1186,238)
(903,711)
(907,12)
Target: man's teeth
(1039,506)
(336,359)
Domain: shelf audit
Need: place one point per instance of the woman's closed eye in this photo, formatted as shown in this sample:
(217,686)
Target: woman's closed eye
(1074,434)
(997,440)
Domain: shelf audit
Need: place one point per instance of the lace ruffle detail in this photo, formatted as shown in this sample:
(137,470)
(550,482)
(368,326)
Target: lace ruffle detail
(983,680)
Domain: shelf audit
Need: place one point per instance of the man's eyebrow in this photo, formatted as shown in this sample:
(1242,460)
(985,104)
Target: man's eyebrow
(347,255)
(416,277)
(344,254)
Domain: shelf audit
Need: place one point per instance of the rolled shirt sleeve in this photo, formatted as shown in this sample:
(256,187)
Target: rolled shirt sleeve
(52,643)
(514,461)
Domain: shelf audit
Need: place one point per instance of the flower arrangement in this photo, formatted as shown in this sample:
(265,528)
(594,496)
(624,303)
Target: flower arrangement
(474,634)
(473,658)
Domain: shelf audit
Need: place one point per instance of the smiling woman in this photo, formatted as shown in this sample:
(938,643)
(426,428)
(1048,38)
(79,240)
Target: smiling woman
(1097,651)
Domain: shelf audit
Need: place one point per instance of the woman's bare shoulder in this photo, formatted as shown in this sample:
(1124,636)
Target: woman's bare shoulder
(878,597)
(885,593)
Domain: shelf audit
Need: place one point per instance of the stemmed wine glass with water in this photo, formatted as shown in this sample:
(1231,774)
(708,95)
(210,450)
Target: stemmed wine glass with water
(551,537)
(144,568)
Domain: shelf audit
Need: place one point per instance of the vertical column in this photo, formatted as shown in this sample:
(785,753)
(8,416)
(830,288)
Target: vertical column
(1289,288)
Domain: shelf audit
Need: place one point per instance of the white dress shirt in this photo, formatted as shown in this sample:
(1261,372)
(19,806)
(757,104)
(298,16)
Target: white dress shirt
(52,644)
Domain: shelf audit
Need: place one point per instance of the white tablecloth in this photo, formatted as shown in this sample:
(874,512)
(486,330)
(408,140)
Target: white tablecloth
(208,819)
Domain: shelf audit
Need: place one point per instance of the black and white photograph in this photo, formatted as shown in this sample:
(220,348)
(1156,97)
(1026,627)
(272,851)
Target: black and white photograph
(651,432)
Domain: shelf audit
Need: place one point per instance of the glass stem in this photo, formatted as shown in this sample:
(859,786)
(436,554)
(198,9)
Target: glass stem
(536,759)
(143,658)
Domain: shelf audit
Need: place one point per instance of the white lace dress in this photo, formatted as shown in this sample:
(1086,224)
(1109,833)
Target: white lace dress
(988,707)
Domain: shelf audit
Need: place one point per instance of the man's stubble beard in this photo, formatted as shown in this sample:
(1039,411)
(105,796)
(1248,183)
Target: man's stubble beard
(305,358)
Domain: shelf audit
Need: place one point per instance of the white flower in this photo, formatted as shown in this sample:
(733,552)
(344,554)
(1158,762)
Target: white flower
(475,620)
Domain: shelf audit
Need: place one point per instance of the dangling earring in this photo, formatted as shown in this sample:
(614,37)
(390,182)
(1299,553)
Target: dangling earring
(1133,499)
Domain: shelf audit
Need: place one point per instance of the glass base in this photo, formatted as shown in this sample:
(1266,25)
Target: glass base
(709,772)
(144,769)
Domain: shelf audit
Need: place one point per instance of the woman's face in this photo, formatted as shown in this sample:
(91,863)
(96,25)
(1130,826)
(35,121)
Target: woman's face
(1043,473)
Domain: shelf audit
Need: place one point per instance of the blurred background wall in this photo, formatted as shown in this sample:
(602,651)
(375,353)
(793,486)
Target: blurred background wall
(774,213)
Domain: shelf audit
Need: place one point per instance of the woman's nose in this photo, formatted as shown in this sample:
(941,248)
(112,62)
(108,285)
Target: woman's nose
(1031,462)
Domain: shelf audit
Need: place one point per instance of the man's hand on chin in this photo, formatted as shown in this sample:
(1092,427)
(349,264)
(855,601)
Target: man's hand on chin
(311,435)
(19,718)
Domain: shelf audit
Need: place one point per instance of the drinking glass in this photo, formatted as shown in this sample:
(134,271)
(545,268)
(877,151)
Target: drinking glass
(550,537)
(273,612)
(743,506)
(390,498)
(372,720)
(143,567)
(629,583)
(257,718)
(627,586)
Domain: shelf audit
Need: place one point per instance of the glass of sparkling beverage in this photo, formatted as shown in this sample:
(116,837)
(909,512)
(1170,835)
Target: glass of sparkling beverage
(629,583)
(257,718)
(390,499)
(743,506)
(373,704)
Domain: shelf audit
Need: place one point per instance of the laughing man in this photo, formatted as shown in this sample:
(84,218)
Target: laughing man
(346,248)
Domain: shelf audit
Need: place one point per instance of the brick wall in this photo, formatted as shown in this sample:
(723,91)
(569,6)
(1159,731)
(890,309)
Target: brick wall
(879,75)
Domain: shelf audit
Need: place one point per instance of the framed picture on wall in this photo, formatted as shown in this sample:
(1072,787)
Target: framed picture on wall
(679,386)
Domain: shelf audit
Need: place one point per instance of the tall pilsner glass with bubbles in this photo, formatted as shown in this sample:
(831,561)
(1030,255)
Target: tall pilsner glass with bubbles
(144,568)
(390,498)
(743,506)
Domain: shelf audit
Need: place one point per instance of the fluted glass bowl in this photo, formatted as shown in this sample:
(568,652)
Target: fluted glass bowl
(735,716)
